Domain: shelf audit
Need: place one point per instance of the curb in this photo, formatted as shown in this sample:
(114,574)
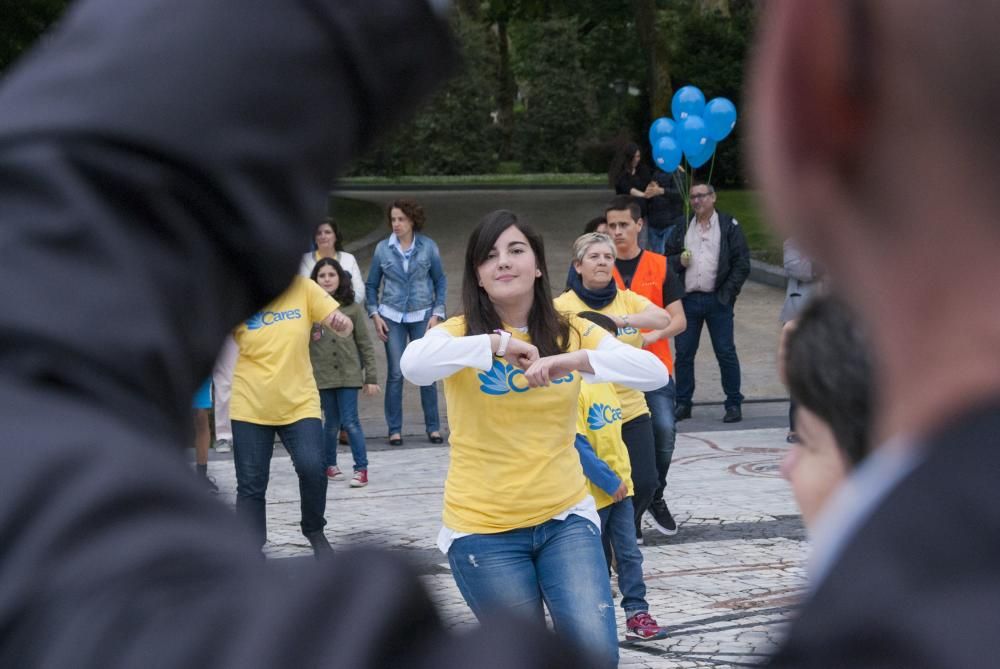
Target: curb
(768,274)
(466,187)
(366,242)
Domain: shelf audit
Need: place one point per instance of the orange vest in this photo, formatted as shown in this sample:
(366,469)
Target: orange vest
(648,281)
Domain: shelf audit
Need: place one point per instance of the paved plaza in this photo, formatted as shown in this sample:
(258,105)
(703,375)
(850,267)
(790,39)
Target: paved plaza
(723,585)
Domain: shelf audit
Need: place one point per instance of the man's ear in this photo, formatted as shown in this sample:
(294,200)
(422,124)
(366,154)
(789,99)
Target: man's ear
(822,77)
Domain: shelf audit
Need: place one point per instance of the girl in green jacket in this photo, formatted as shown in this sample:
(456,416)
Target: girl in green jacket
(342,366)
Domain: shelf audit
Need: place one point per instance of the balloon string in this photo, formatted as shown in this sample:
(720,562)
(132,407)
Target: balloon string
(711,169)
(679,185)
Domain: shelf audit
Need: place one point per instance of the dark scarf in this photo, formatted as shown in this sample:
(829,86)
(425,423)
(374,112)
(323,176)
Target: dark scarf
(595,299)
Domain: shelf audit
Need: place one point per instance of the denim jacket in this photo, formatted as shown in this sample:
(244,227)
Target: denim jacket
(424,286)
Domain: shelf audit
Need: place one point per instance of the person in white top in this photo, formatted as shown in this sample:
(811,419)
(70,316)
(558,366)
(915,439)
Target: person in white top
(330,245)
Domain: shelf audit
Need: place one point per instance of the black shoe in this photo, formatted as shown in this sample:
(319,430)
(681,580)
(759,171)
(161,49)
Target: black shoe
(733,415)
(397,441)
(435,438)
(209,482)
(662,520)
(321,547)
(682,411)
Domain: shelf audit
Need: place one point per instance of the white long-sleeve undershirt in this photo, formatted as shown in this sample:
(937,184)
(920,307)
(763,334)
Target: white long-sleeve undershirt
(438,355)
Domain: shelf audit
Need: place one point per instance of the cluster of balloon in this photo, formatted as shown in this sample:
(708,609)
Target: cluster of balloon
(694,131)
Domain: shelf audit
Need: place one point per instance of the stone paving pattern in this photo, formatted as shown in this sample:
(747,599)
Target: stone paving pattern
(723,585)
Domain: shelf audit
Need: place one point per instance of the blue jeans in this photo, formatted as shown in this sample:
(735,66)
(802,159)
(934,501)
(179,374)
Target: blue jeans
(656,239)
(400,334)
(340,409)
(618,526)
(253,445)
(560,562)
(661,403)
(705,308)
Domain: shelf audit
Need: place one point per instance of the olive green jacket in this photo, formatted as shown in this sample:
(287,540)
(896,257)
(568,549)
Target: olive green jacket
(344,362)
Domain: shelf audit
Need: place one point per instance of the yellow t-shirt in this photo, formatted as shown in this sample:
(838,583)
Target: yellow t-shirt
(600,421)
(625,302)
(273,380)
(513,463)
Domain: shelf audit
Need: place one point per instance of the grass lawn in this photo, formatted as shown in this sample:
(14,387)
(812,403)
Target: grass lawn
(743,205)
(355,218)
(578,179)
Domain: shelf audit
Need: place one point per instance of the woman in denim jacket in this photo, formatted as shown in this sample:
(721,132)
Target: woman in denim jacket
(407,266)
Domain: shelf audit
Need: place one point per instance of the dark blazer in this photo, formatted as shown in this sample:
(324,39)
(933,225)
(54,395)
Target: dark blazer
(160,165)
(919,583)
(734,257)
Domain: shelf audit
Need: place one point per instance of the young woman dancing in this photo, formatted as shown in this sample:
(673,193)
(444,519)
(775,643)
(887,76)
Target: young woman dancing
(520,527)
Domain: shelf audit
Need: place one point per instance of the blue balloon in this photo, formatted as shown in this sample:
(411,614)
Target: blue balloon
(666,154)
(688,101)
(661,127)
(691,135)
(700,159)
(720,118)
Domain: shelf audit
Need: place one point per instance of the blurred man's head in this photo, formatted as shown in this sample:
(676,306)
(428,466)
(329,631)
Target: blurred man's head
(873,132)
(828,371)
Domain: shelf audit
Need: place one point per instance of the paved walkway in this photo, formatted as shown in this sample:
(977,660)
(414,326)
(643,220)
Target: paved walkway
(723,585)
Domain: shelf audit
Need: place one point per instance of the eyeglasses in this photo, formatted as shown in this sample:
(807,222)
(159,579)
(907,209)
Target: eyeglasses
(700,196)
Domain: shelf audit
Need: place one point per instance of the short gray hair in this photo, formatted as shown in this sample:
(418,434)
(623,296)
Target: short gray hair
(584,242)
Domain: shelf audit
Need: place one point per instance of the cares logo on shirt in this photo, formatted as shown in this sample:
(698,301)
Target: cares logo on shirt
(600,415)
(627,330)
(502,378)
(264,318)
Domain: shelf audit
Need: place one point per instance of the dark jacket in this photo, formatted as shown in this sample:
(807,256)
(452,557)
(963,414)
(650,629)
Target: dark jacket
(734,257)
(667,209)
(918,584)
(166,161)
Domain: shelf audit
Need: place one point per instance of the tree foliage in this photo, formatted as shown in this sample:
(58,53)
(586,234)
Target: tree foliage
(556,107)
(23,22)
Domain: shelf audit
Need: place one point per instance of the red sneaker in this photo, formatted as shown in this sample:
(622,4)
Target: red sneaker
(334,474)
(360,479)
(643,627)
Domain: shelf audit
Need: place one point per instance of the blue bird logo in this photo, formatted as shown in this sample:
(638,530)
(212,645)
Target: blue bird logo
(256,321)
(601,415)
(595,417)
(494,381)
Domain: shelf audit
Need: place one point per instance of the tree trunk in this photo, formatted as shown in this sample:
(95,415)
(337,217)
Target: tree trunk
(506,91)
(645,26)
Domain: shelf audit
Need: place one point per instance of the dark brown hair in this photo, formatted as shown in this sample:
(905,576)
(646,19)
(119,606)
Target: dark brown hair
(624,203)
(549,329)
(595,223)
(828,365)
(621,162)
(345,290)
(413,211)
(337,245)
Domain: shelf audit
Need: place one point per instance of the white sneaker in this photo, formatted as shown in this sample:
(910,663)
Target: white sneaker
(223,446)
